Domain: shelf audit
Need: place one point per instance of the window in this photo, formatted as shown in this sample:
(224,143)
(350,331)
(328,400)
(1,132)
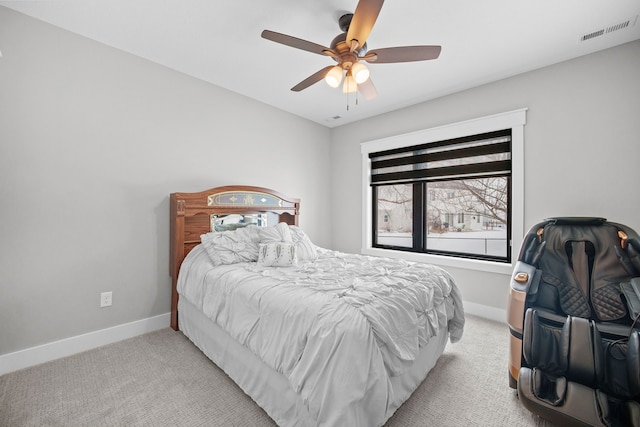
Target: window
(395,207)
(451,195)
(465,178)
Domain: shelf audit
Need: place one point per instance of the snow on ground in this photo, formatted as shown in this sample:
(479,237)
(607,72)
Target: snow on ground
(485,242)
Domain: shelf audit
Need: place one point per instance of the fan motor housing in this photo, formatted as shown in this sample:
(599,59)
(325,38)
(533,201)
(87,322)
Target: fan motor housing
(344,21)
(339,44)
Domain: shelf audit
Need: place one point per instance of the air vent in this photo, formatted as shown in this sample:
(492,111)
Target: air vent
(592,35)
(334,118)
(610,29)
(620,26)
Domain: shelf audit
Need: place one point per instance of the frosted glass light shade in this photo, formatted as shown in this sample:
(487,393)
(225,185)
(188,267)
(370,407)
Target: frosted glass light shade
(360,72)
(350,85)
(334,76)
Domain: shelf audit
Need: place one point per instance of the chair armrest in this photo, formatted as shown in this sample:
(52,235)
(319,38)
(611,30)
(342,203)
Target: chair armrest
(631,291)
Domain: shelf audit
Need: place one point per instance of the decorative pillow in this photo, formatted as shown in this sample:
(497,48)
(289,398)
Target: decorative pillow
(230,247)
(305,249)
(278,233)
(277,254)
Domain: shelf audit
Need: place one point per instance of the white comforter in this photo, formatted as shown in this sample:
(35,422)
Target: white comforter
(338,328)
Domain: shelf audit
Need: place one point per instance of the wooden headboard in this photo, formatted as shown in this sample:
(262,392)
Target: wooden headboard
(191,216)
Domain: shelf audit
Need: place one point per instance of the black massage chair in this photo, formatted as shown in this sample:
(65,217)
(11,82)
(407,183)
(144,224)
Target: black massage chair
(573,313)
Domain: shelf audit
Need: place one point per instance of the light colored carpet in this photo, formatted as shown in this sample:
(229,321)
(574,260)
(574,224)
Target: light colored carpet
(162,379)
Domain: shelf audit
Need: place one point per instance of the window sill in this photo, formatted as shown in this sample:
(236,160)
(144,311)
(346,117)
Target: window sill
(444,261)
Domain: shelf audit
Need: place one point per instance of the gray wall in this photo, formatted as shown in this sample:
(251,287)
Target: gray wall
(582,148)
(92,141)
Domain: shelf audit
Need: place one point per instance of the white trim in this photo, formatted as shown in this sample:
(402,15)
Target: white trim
(443,260)
(485,311)
(55,350)
(515,120)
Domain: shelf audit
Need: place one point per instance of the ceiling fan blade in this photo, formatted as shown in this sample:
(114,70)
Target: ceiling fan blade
(313,78)
(367,89)
(402,54)
(298,43)
(364,18)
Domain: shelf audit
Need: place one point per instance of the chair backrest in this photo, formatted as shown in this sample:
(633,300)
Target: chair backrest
(583,262)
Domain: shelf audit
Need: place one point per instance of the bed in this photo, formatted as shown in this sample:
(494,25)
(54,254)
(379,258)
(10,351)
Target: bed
(313,336)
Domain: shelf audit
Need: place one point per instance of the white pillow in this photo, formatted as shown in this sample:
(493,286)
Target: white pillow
(305,249)
(230,247)
(249,233)
(277,254)
(278,233)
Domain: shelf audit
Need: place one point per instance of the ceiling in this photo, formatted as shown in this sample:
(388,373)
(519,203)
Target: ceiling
(219,42)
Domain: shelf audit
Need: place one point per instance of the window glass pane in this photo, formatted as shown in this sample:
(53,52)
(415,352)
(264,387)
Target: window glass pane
(395,215)
(468,216)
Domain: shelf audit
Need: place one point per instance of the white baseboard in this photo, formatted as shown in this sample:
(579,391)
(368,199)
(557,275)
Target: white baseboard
(55,350)
(492,313)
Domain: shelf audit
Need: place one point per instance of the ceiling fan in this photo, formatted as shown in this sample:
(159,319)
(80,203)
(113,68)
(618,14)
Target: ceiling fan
(349,48)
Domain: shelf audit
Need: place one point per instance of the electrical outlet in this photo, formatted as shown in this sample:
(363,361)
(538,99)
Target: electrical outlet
(106,299)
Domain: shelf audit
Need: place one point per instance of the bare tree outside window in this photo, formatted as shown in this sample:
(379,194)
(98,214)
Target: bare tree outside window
(473,221)
(463,216)
(395,215)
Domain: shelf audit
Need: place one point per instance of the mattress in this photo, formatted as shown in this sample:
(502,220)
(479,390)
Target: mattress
(342,340)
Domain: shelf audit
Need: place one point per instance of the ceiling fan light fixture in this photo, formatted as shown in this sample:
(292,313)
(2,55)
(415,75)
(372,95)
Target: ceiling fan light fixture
(349,48)
(334,76)
(360,72)
(350,85)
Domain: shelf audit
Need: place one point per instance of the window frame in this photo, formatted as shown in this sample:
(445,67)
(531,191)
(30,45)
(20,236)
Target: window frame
(515,120)
(420,240)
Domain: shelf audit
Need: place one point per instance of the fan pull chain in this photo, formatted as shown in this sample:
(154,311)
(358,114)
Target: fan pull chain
(348,100)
